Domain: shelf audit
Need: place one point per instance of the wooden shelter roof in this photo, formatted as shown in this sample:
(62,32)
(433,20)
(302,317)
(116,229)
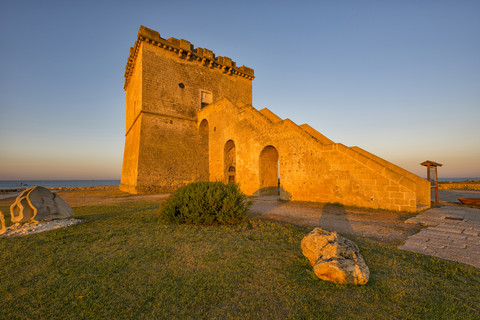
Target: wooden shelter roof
(431,164)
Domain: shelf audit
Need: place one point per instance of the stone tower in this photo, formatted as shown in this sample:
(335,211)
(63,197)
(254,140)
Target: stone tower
(167,82)
(190,118)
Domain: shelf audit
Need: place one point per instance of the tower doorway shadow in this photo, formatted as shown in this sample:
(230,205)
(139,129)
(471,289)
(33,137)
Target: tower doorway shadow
(334,217)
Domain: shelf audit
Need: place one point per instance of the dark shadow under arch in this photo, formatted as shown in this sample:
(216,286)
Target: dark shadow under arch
(269,171)
(230,161)
(203,155)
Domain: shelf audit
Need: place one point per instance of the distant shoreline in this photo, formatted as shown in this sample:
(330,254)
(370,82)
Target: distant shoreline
(467,184)
(54,184)
(459,181)
(62,188)
(459,185)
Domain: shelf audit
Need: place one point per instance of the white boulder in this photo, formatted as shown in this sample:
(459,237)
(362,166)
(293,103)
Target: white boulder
(37,204)
(335,258)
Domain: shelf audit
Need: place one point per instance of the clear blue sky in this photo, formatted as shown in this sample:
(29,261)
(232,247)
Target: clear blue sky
(400,79)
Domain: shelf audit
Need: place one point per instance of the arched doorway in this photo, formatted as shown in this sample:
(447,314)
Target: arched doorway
(269,181)
(203,155)
(230,165)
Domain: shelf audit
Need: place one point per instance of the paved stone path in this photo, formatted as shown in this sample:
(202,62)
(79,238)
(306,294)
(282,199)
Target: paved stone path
(452,232)
(453,195)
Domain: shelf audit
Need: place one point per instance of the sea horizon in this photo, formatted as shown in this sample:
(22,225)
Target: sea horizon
(59,183)
(16,184)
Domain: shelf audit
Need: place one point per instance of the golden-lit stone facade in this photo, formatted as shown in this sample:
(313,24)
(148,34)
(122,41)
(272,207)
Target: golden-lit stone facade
(190,118)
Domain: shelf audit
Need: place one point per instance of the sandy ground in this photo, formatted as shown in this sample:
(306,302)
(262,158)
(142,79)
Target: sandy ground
(451,196)
(387,226)
(74,198)
(77,198)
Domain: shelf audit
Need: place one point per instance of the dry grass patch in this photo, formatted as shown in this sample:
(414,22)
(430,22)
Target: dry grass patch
(122,263)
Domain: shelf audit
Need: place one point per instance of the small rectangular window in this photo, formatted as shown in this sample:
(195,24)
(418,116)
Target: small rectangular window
(206,98)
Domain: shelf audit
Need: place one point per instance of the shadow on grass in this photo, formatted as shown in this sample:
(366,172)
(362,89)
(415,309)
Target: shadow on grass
(98,212)
(120,265)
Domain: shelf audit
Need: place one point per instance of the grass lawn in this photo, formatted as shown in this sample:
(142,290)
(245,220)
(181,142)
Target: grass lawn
(121,263)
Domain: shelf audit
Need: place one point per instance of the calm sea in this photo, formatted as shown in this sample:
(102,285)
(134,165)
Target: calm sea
(14,184)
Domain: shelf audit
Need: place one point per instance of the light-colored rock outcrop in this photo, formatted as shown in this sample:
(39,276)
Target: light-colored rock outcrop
(335,258)
(37,204)
(24,229)
(2,223)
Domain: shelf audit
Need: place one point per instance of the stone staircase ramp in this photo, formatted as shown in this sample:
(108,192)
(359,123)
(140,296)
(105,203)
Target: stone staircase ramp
(305,130)
(389,165)
(270,115)
(423,198)
(317,135)
(383,168)
(374,163)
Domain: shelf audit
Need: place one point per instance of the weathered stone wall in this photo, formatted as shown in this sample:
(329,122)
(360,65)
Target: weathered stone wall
(166,82)
(463,185)
(129,177)
(189,118)
(128,181)
(311,169)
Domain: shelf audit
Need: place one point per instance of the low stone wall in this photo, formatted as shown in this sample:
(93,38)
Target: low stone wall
(11,190)
(461,185)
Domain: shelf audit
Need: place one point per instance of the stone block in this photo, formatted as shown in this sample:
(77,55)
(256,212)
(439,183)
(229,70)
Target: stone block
(317,135)
(205,53)
(270,115)
(407,183)
(392,175)
(407,208)
(246,70)
(341,148)
(174,42)
(149,33)
(329,147)
(375,166)
(185,45)
(361,158)
(226,61)
(351,152)
(397,195)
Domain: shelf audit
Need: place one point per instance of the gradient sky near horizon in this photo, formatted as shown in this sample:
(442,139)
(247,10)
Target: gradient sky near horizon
(400,79)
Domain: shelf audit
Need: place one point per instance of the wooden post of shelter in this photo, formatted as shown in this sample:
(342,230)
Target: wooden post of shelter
(432,175)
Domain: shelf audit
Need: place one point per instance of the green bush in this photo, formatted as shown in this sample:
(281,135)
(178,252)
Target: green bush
(206,203)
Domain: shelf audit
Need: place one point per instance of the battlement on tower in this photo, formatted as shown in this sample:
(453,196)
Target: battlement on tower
(185,50)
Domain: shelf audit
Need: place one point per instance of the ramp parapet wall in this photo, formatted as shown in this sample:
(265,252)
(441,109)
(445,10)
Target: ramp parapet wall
(369,160)
(422,185)
(304,129)
(311,169)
